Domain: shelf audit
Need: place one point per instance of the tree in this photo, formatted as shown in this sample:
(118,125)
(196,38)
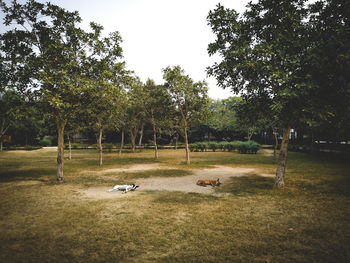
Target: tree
(328,64)
(189,100)
(135,115)
(12,107)
(255,114)
(47,49)
(106,73)
(156,106)
(223,120)
(263,52)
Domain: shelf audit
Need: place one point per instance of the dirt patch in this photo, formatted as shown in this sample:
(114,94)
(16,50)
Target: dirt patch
(133,168)
(188,183)
(183,183)
(102,193)
(41,150)
(267,152)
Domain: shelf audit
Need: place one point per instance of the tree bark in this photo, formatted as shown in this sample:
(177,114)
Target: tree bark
(69,148)
(133,139)
(275,134)
(121,143)
(1,146)
(280,172)
(141,135)
(100,149)
(250,134)
(176,138)
(60,150)
(186,146)
(155,139)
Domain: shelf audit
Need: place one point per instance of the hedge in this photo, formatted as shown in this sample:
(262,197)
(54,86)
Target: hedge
(249,147)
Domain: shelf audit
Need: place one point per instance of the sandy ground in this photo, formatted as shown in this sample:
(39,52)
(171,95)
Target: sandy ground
(267,152)
(44,149)
(133,168)
(183,183)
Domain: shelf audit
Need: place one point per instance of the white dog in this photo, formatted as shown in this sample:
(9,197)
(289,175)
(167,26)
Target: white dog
(125,188)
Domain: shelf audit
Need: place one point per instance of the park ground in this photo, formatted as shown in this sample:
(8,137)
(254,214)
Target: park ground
(169,218)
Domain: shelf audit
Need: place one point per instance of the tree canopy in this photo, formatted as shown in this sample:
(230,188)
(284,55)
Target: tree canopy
(266,54)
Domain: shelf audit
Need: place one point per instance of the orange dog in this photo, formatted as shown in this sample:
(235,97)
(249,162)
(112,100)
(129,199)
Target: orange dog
(208,182)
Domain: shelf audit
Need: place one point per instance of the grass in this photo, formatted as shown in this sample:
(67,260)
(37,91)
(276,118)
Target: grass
(246,221)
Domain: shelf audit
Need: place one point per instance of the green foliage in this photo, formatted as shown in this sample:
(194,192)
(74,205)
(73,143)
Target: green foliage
(262,54)
(202,146)
(189,99)
(95,146)
(223,145)
(45,142)
(328,65)
(213,146)
(222,122)
(76,145)
(107,146)
(249,147)
(31,147)
(192,147)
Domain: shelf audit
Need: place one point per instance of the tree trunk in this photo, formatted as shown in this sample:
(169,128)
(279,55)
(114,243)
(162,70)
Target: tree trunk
(250,134)
(155,139)
(141,135)
(100,145)
(133,139)
(279,179)
(275,134)
(60,150)
(312,141)
(69,148)
(121,143)
(176,138)
(186,146)
(1,146)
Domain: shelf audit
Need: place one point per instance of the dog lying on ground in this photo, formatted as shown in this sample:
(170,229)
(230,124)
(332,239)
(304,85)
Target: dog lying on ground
(125,188)
(208,182)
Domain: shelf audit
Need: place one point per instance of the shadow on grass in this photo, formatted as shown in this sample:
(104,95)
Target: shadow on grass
(252,184)
(26,174)
(154,173)
(184,198)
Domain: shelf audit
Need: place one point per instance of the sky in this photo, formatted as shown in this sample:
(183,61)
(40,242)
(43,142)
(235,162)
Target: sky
(158,33)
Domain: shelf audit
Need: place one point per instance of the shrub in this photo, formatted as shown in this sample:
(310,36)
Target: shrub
(253,147)
(192,146)
(248,147)
(202,146)
(242,147)
(75,145)
(107,145)
(45,142)
(95,146)
(30,147)
(223,146)
(231,146)
(213,146)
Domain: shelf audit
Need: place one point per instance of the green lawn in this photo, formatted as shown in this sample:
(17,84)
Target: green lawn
(245,221)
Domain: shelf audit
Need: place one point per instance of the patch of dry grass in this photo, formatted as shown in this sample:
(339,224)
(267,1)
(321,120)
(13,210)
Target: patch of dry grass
(247,221)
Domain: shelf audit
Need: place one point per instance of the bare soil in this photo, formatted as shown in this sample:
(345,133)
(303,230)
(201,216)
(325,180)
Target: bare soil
(183,183)
(133,168)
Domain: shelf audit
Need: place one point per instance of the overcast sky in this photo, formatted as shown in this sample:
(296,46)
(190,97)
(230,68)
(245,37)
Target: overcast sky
(158,33)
